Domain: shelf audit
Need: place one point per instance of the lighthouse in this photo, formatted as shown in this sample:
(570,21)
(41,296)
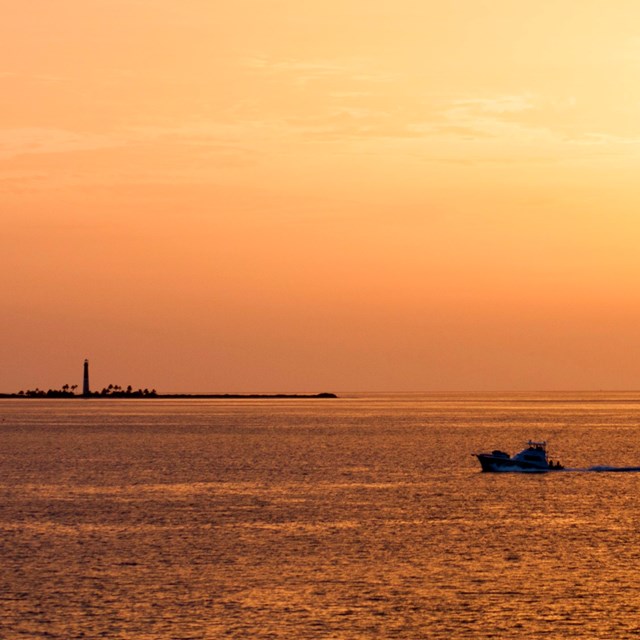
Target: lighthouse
(85,383)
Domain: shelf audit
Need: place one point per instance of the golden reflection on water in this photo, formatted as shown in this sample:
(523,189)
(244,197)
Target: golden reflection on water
(361,518)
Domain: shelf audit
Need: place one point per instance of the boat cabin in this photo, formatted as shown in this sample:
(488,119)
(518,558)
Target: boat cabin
(535,453)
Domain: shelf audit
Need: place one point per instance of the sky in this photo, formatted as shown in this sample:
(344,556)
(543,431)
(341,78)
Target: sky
(346,195)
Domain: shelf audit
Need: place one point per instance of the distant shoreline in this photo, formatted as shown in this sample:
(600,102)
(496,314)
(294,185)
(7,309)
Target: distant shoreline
(174,396)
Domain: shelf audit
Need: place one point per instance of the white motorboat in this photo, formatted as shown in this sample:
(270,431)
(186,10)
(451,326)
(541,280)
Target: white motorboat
(532,459)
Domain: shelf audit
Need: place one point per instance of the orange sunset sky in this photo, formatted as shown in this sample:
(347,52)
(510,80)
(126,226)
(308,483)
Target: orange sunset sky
(269,195)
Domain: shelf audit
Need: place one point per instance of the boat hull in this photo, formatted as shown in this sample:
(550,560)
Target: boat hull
(492,463)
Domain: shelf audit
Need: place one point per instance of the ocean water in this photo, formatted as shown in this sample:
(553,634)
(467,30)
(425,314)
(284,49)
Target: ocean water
(362,517)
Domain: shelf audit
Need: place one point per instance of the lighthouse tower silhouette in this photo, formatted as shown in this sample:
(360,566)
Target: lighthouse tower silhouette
(85,383)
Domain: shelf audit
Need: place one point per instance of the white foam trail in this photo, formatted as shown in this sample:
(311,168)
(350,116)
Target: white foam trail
(602,468)
(605,468)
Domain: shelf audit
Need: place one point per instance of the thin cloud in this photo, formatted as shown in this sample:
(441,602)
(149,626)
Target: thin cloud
(354,123)
(595,139)
(497,105)
(505,116)
(20,141)
(305,71)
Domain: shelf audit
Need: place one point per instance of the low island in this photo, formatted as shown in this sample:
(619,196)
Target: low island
(116,391)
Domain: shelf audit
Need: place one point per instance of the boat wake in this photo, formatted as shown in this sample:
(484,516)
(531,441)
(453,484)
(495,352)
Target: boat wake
(607,469)
(602,468)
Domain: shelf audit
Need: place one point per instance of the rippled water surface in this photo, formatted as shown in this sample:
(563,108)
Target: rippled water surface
(362,517)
